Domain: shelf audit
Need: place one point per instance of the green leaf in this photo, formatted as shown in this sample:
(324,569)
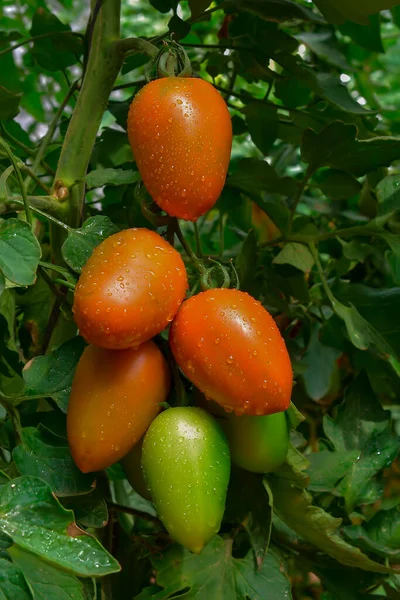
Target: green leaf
(325,46)
(90,510)
(361,333)
(35,520)
(9,104)
(294,468)
(361,424)
(380,535)
(262,123)
(355,250)
(19,252)
(215,573)
(379,307)
(178,27)
(317,148)
(366,36)
(38,457)
(328,468)
(164,6)
(246,259)
(198,6)
(297,255)
(337,11)
(337,185)
(388,194)
(44,580)
(102,177)
(253,176)
(54,53)
(294,506)
(249,504)
(80,243)
(12,582)
(51,376)
(275,10)
(320,362)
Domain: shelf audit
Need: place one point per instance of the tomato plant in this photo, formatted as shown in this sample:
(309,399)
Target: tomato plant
(186,464)
(115,396)
(129,290)
(170,171)
(229,346)
(181,136)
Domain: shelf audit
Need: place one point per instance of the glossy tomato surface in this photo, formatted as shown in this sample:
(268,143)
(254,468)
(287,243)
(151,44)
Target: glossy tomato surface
(115,396)
(258,444)
(180,132)
(229,346)
(186,463)
(129,289)
(132,465)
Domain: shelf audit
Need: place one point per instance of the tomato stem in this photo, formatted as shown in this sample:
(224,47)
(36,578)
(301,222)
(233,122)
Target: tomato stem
(197,263)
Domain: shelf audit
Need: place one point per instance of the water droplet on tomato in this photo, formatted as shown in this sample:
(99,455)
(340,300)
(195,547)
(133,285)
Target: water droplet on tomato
(229,359)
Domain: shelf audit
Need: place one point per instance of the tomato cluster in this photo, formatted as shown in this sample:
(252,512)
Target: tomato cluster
(223,340)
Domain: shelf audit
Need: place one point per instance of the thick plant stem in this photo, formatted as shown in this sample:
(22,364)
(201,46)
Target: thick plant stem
(105,60)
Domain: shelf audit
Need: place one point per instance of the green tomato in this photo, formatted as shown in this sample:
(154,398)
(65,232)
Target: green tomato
(258,444)
(132,465)
(186,463)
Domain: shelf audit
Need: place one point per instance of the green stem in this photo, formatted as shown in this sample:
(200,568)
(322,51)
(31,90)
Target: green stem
(35,178)
(65,283)
(324,282)
(36,203)
(134,512)
(54,289)
(198,265)
(26,149)
(137,45)
(198,240)
(300,190)
(130,84)
(14,417)
(35,38)
(56,268)
(19,179)
(50,132)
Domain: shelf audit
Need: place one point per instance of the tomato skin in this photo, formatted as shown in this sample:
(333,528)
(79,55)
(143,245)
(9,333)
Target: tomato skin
(129,290)
(132,465)
(229,346)
(180,132)
(115,396)
(186,464)
(258,444)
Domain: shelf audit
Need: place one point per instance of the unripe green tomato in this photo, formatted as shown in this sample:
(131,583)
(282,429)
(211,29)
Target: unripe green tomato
(258,444)
(132,465)
(186,464)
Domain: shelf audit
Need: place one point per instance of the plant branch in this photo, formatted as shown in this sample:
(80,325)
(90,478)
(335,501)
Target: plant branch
(35,178)
(26,149)
(134,512)
(123,86)
(19,179)
(50,132)
(300,190)
(137,45)
(198,265)
(35,38)
(36,203)
(324,282)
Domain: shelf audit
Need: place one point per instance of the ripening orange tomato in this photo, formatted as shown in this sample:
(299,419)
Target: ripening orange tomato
(129,290)
(115,396)
(229,346)
(180,132)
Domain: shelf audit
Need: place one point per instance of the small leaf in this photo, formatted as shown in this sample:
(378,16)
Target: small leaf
(178,27)
(380,535)
(262,122)
(53,463)
(20,252)
(51,375)
(253,176)
(90,510)
(246,260)
(9,104)
(320,362)
(328,468)
(316,149)
(80,243)
(198,6)
(366,36)
(35,520)
(297,255)
(325,46)
(164,6)
(45,580)
(102,177)
(277,10)
(337,185)
(12,582)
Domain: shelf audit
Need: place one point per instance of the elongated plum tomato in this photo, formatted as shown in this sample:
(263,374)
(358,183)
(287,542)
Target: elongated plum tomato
(186,464)
(229,346)
(258,444)
(115,396)
(180,132)
(129,290)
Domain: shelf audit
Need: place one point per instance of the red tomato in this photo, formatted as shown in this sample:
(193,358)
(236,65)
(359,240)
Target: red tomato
(180,132)
(115,396)
(229,346)
(129,290)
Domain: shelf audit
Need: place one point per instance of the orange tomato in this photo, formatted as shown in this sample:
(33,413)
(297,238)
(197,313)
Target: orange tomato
(180,132)
(129,290)
(229,346)
(115,396)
